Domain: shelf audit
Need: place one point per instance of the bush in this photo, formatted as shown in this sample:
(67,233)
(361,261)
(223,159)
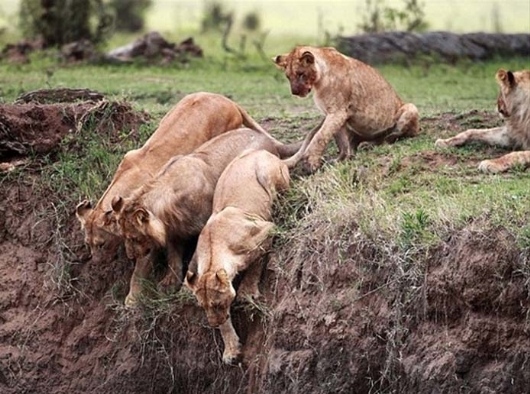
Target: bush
(130,14)
(60,22)
(379,17)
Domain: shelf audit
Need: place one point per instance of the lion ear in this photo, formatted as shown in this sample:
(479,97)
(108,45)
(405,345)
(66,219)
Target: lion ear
(505,77)
(191,279)
(108,217)
(222,276)
(117,203)
(307,58)
(141,215)
(280,61)
(82,210)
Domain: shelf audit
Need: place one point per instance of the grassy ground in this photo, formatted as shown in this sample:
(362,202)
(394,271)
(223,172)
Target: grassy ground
(391,189)
(399,199)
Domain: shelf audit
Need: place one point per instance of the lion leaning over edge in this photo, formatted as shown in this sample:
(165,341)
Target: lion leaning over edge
(195,119)
(513,104)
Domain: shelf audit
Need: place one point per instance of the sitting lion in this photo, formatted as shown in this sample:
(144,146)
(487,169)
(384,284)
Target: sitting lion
(513,104)
(234,238)
(194,120)
(174,206)
(358,103)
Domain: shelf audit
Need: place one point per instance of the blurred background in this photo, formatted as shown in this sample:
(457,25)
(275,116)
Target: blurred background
(311,19)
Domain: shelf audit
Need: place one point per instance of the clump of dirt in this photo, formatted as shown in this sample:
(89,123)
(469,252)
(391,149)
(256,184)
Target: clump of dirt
(340,314)
(44,122)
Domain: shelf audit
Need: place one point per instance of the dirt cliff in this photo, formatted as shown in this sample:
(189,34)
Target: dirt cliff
(341,313)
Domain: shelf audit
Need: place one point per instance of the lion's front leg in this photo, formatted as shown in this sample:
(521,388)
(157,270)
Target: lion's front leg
(498,136)
(142,269)
(172,281)
(292,161)
(249,286)
(506,162)
(232,351)
(332,125)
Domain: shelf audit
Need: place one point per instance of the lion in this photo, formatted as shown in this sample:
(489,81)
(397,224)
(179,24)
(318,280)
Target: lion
(235,238)
(169,210)
(513,105)
(359,105)
(197,118)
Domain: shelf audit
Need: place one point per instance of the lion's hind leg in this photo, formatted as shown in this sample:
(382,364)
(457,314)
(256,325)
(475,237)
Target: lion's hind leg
(407,124)
(497,136)
(172,281)
(504,163)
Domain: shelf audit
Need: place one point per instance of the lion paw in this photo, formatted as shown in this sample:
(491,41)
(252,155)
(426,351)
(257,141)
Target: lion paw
(232,356)
(441,143)
(310,166)
(490,166)
(169,284)
(366,145)
(131,301)
(248,292)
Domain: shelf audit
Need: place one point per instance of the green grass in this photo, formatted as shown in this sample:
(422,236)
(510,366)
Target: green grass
(380,212)
(391,192)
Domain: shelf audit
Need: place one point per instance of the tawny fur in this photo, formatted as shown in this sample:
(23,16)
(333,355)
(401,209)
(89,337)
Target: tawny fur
(234,239)
(513,104)
(358,103)
(194,120)
(174,206)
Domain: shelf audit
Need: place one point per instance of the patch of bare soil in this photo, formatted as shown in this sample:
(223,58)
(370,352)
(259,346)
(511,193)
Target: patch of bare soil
(336,317)
(43,122)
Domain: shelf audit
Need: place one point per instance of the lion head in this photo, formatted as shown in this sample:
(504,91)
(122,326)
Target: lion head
(140,228)
(215,294)
(514,92)
(300,69)
(101,231)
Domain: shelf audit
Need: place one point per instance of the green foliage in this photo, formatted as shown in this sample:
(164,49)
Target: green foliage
(252,21)
(59,22)
(413,227)
(379,17)
(215,16)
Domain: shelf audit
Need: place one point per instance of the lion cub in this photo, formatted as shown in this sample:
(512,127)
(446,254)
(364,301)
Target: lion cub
(234,239)
(173,207)
(513,104)
(358,103)
(195,119)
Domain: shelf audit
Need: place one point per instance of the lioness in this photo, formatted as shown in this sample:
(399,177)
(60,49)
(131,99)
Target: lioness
(233,239)
(513,104)
(174,206)
(194,120)
(358,103)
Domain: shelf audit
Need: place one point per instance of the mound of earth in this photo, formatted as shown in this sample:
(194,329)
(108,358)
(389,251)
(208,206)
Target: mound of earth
(335,317)
(43,122)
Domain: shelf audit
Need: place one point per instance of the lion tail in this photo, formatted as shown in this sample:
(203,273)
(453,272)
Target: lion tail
(284,150)
(296,156)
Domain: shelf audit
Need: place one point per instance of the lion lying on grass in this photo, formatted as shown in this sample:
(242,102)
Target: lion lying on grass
(195,119)
(513,104)
(234,238)
(175,205)
(359,104)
